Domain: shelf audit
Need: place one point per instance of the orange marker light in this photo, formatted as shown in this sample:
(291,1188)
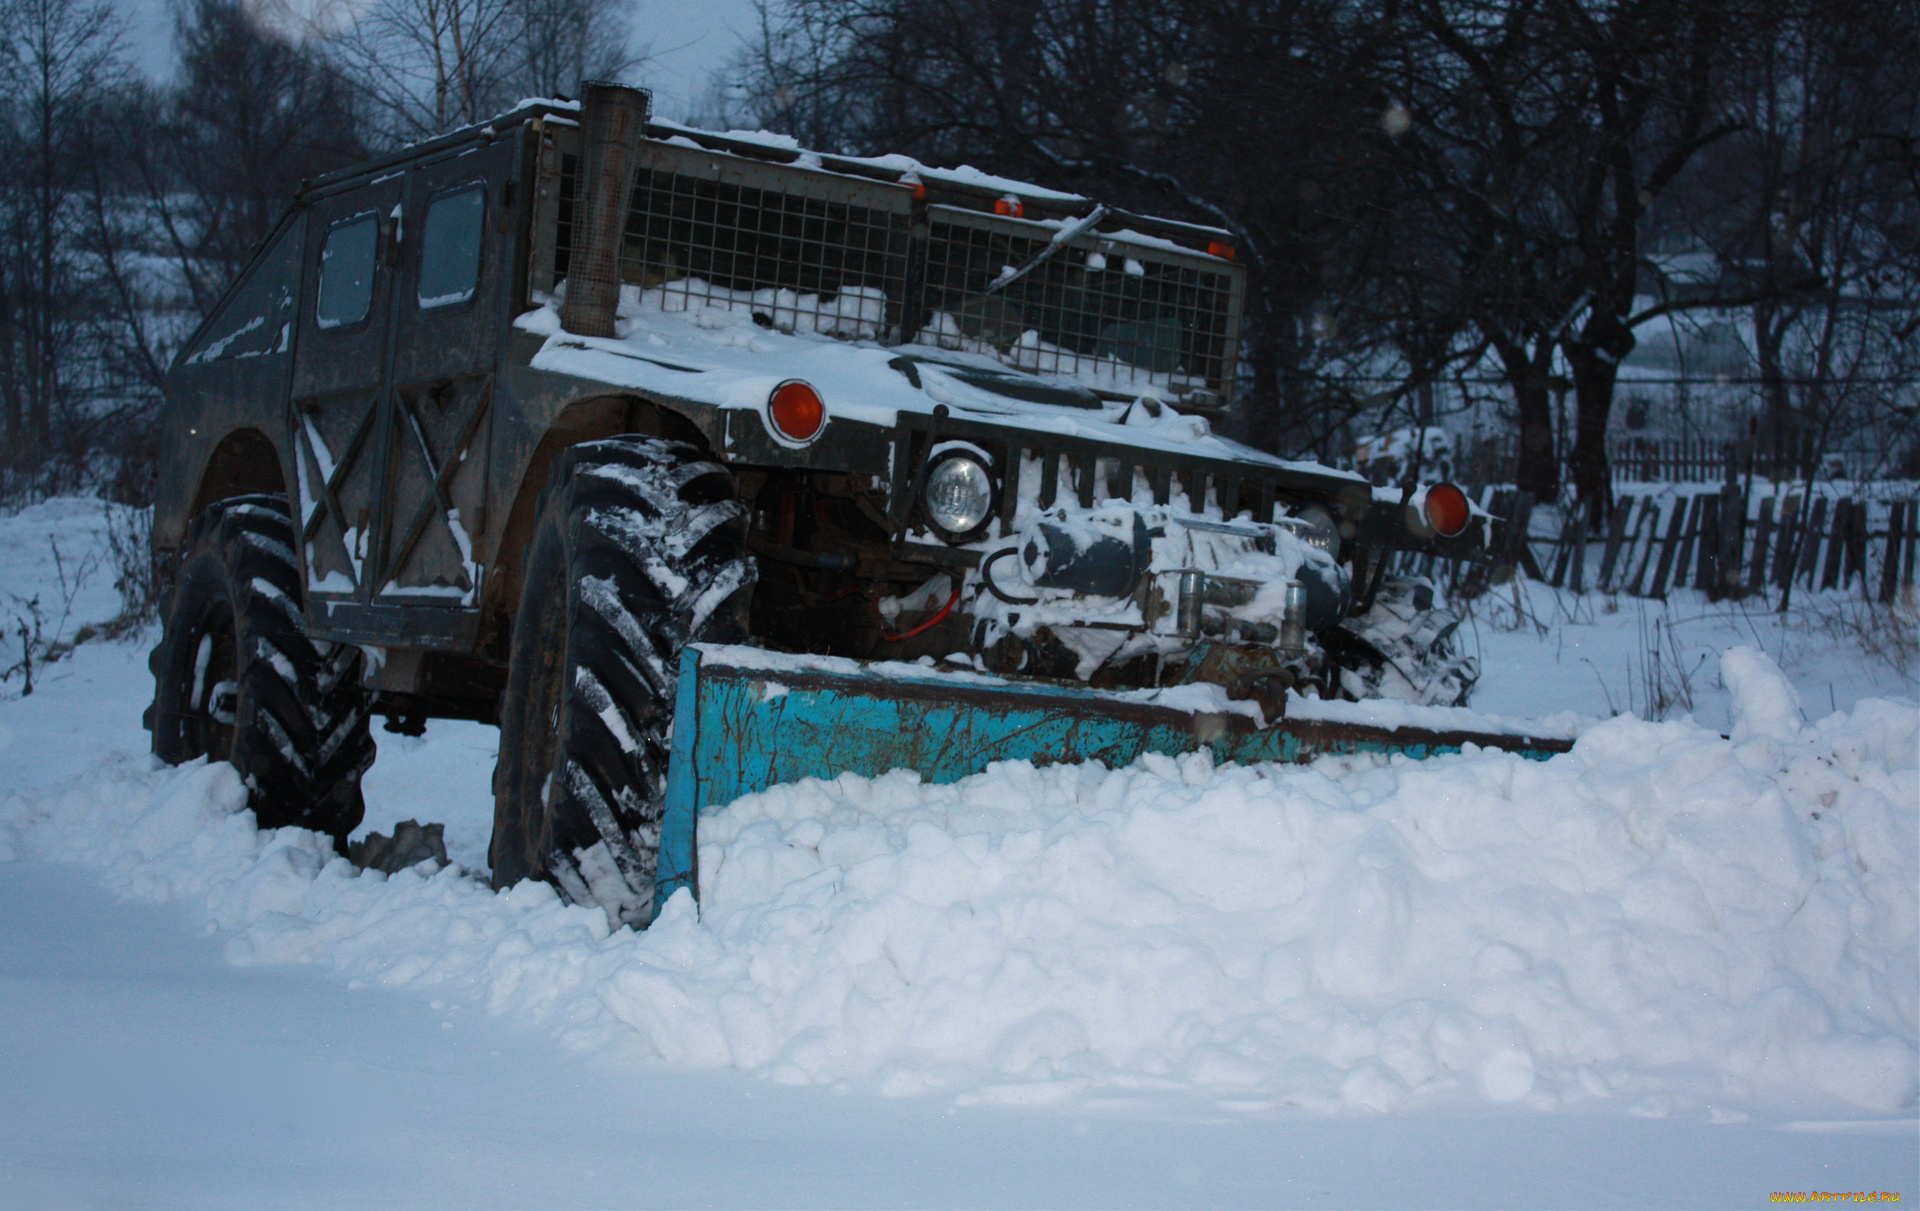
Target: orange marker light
(1223,251)
(795,412)
(1447,510)
(1009,206)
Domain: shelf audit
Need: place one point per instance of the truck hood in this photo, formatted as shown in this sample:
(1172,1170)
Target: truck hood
(672,345)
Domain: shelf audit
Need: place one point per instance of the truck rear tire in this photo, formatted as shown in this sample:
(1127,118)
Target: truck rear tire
(636,551)
(236,678)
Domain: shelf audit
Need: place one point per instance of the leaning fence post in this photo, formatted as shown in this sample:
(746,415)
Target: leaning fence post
(1676,522)
(1577,575)
(1789,548)
(1836,543)
(1732,508)
(1706,568)
(1647,525)
(1520,549)
(1757,570)
(1890,566)
(1810,539)
(1911,538)
(1854,549)
(1689,534)
(1563,546)
(1616,534)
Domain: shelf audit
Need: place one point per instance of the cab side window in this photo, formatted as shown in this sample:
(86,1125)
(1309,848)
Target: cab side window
(346,272)
(450,246)
(255,319)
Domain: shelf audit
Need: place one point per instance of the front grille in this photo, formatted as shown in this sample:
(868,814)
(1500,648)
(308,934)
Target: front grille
(1055,470)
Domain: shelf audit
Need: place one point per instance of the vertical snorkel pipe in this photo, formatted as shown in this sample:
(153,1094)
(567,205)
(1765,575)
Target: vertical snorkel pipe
(613,120)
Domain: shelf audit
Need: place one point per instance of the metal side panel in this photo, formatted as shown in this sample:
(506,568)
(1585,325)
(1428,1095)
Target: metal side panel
(746,721)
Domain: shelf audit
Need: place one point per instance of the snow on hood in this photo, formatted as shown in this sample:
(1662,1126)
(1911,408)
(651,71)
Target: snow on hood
(673,343)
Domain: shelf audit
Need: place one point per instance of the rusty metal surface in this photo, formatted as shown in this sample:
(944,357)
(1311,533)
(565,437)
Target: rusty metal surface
(615,123)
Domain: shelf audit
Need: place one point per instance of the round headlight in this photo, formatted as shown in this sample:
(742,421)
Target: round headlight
(958,496)
(1317,526)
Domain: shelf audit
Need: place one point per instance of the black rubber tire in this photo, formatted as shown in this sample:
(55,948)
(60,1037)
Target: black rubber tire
(235,677)
(636,552)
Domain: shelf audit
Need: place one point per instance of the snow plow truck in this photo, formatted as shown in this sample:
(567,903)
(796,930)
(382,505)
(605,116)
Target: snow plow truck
(701,462)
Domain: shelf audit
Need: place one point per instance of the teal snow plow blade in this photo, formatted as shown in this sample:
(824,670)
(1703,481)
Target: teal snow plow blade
(747,720)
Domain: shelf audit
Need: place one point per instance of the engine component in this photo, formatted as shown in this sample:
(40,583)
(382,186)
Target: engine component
(1104,565)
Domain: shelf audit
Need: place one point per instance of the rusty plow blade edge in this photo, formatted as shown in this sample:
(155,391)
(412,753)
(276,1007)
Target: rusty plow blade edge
(747,720)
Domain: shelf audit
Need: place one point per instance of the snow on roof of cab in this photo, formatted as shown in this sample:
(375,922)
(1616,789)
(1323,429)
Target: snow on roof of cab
(965,176)
(899,168)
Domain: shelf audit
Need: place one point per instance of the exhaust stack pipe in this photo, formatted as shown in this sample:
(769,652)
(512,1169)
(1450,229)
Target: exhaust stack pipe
(613,120)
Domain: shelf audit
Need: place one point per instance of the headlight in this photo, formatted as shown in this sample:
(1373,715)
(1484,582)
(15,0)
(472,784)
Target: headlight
(1317,526)
(795,413)
(958,496)
(1447,509)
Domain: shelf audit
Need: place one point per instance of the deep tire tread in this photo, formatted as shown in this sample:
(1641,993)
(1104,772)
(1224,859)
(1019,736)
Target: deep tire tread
(643,530)
(301,740)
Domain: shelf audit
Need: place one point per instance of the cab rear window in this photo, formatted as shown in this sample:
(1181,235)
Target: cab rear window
(450,246)
(346,272)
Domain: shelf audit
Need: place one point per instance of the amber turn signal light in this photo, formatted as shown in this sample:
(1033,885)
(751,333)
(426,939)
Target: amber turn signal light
(1447,510)
(795,412)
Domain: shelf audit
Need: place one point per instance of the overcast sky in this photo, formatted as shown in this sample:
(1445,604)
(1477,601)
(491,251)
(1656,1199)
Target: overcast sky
(688,41)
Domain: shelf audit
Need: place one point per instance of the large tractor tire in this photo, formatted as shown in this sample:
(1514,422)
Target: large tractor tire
(235,677)
(635,553)
(1406,646)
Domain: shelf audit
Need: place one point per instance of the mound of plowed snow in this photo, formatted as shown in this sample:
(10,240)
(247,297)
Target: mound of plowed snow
(1663,921)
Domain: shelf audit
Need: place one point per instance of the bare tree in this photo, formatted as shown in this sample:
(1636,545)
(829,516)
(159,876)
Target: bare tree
(1259,116)
(565,41)
(1651,74)
(1545,132)
(143,311)
(249,116)
(1487,124)
(1811,210)
(57,57)
(430,66)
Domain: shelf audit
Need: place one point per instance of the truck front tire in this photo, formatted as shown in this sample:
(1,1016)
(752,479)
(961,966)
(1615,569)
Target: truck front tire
(636,551)
(236,678)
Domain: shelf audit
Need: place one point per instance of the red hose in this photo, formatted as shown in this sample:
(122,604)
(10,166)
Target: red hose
(931,622)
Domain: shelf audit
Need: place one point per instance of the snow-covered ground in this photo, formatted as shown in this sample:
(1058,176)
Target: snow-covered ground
(1669,969)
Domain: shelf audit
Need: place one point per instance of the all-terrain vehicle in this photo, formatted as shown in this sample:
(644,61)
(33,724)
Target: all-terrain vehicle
(496,427)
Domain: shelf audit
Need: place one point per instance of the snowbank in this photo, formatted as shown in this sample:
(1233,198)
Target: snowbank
(1663,921)
(57,572)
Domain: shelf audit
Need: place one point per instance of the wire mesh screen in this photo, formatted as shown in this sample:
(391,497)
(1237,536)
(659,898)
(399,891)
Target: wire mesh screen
(564,208)
(805,251)
(1115,315)
(796,261)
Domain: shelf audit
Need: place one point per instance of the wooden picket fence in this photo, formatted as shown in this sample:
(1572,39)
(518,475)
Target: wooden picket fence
(1646,461)
(1717,542)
